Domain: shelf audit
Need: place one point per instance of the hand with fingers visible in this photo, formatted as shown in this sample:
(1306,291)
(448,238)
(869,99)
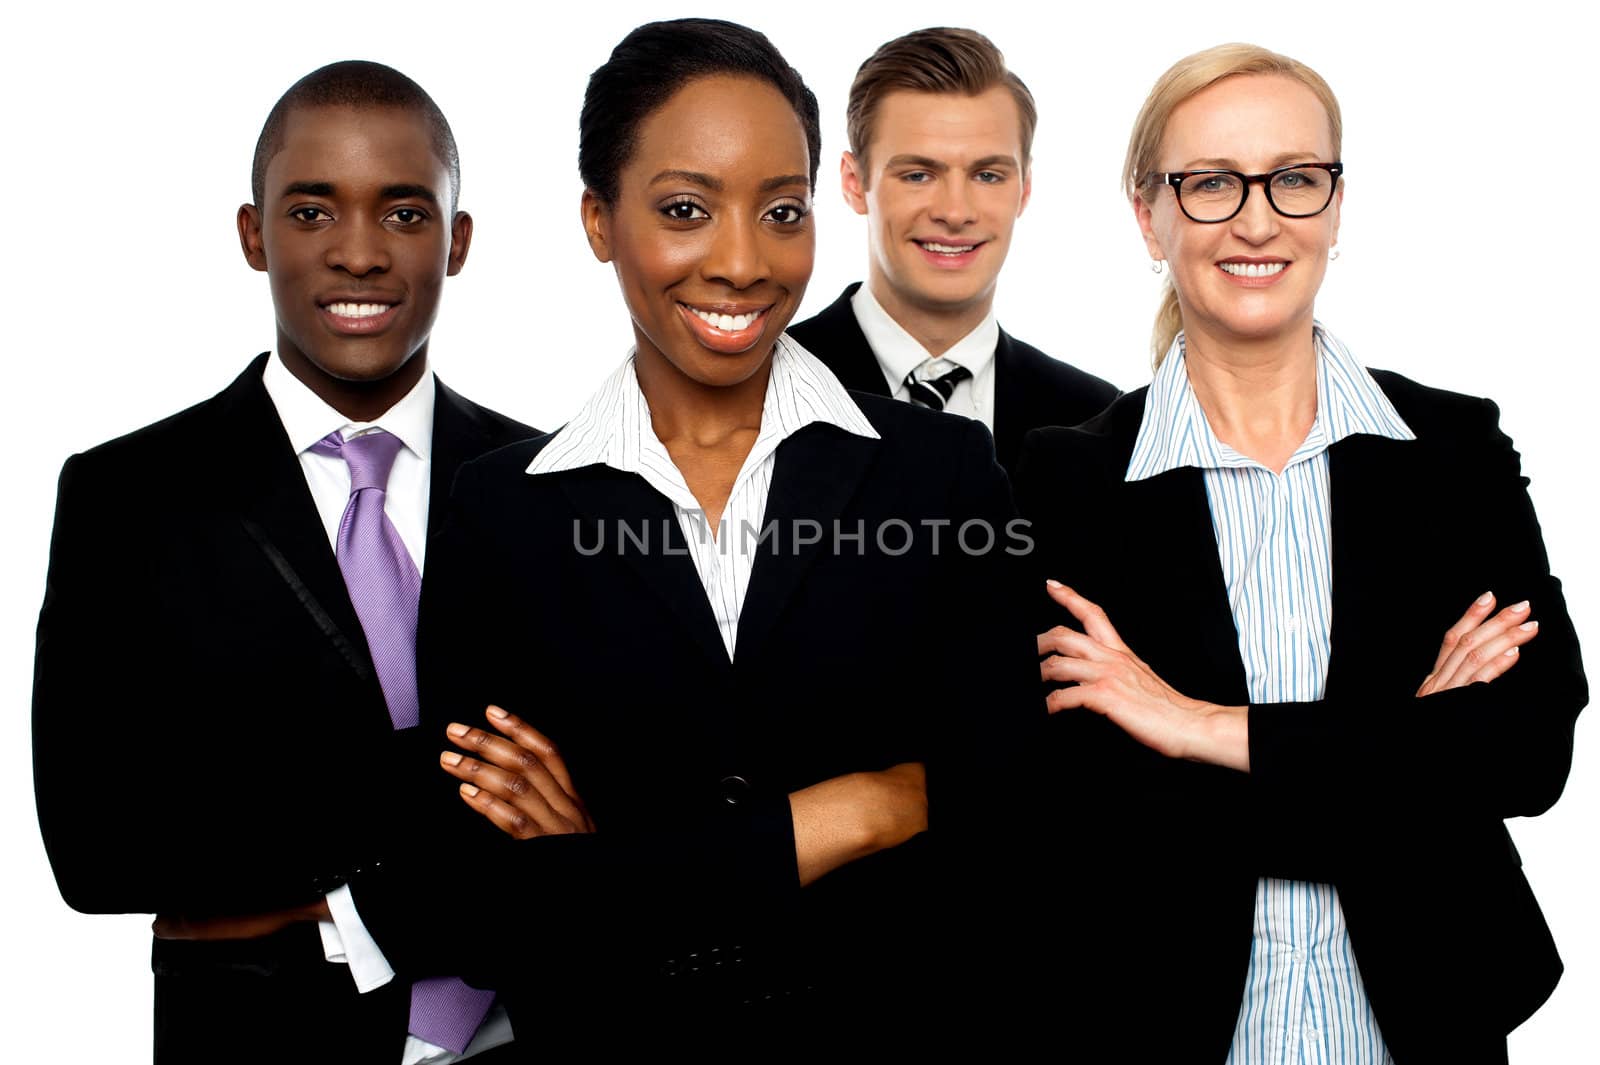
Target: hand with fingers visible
(517,779)
(1108,678)
(1479,648)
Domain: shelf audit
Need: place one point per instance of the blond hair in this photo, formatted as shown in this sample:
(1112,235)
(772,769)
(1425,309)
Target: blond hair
(1182,80)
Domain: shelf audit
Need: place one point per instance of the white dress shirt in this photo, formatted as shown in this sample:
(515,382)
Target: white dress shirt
(307,419)
(1304,1002)
(614,429)
(899,353)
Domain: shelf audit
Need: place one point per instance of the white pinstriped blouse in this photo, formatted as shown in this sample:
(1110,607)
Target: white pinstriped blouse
(1304,1001)
(614,429)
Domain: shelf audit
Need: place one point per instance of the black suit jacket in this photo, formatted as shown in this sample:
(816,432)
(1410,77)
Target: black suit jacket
(682,915)
(1030,388)
(209,734)
(1397,801)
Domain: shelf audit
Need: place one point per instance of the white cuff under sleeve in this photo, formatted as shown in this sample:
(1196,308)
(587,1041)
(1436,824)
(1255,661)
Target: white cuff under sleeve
(346,940)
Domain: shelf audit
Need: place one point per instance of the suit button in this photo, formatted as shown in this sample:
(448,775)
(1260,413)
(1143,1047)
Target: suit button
(735,789)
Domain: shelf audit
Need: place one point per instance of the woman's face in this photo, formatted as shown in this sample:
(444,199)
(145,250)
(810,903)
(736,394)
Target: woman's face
(711,234)
(1253,124)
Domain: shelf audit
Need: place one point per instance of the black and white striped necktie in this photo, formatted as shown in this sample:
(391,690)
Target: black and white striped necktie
(937,392)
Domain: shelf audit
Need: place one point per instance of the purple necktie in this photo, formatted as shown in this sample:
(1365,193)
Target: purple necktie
(384,587)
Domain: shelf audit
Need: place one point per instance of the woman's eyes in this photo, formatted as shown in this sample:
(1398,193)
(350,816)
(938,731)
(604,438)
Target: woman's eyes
(788,214)
(785,214)
(684,211)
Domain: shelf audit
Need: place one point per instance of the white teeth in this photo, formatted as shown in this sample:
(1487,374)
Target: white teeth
(948,249)
(1252,269)
(357,310)
(728,323)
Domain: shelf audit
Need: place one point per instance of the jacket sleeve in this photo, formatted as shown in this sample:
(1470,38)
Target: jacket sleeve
(156,790)
(92,785)
(1497,750)
(573,895)
(130,819)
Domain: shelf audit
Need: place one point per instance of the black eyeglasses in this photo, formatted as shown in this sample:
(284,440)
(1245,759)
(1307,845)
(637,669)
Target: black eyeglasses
(1298,191)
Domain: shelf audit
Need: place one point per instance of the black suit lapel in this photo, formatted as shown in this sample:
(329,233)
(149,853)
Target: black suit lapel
(1011,396)
(835,337)
(614,506)
(817,472)
(1173,547)
(458,438)
(261,472)
(1376,498)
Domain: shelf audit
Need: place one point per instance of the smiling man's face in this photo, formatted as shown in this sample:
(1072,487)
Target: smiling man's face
(356,235)
(942,184)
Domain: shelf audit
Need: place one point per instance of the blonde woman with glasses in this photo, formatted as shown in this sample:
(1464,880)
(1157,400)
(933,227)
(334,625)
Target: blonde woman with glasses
(1291,794)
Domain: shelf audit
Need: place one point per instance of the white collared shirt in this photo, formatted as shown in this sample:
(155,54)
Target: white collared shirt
(1304,1000)
(899,353)
(307,418)
(614,429)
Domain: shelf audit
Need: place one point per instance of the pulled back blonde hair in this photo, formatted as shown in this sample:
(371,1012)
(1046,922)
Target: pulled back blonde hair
(1182,80)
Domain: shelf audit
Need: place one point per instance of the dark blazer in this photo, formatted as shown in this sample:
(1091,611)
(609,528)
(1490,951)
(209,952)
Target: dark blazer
(1030,388)
(682,914)
(1397,801)
(198,659)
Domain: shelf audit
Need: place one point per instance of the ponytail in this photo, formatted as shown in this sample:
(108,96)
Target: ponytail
(1169,322)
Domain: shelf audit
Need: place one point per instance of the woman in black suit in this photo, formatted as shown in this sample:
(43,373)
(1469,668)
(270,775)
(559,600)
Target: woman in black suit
(1290,848)
(755,612)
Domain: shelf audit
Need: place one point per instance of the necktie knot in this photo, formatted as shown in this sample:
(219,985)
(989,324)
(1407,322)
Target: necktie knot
(935,392)
(369,455)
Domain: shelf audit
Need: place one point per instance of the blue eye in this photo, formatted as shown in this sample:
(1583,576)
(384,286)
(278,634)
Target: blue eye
(1298,179)
(989,177)
(917,177)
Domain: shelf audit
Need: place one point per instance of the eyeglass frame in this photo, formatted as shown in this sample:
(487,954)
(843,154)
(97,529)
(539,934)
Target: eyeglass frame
(1177,177)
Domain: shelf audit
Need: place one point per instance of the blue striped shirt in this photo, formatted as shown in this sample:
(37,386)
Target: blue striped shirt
(614,429)
(1304,1001)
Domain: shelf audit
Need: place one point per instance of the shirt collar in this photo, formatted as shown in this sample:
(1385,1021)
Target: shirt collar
(899,353)
(307,418)
(1174,432)
(614,429)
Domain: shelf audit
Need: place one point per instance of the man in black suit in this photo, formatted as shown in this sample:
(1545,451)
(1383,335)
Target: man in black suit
(940,134)
(197,623)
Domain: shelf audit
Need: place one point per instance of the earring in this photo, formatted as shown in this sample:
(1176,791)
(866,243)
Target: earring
(1333,253)
(1156,265)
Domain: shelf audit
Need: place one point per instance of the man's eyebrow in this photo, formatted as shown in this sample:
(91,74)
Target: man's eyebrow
(705,181)
(918,161)
(389,192)
(772,184)
(994,160)
(410,192)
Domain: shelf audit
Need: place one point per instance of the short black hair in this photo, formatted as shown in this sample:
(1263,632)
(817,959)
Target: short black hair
(361,84)
(654,62)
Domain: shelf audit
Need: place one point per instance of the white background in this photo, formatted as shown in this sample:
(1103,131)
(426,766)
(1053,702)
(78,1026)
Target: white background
(1468,232)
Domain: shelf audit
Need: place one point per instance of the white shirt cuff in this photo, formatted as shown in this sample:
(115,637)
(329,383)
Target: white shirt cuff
(345,940)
